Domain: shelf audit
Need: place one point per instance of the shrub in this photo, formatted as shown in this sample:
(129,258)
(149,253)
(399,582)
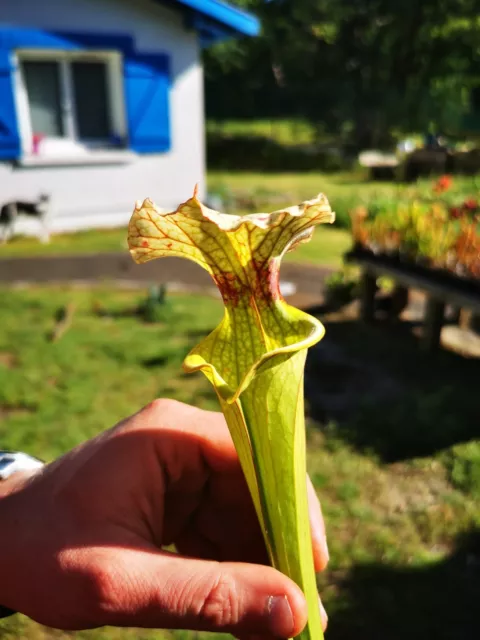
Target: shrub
(341,287)
(463,465)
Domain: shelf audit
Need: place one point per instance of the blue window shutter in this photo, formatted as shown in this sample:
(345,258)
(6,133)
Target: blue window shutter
(9,137)
(147,86)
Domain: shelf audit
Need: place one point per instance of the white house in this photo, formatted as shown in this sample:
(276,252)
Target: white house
(101,102)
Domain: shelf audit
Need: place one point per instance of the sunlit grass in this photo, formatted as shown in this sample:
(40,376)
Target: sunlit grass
(392,518)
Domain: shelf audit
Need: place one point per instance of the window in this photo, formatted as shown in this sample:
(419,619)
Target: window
(42,80)
(70,102)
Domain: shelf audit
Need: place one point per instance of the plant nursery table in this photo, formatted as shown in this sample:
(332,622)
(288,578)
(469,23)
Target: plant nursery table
(441,288)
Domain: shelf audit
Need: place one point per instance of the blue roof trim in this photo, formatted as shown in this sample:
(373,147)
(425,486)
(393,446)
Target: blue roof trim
(235,19)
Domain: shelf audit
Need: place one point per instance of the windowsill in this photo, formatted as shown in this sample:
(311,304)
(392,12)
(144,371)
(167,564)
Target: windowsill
(92,158)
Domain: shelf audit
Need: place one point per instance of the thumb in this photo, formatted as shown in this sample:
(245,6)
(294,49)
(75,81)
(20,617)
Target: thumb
(175,592)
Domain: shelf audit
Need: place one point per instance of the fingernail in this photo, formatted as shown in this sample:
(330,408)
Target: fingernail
(323,614)
(280,615)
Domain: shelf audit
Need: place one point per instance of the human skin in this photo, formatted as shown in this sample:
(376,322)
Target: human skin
(83,540)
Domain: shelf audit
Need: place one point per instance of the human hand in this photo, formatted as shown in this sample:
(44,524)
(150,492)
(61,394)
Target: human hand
(83,540)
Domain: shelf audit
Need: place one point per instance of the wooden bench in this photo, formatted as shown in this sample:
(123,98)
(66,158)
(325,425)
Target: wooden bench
(439,291)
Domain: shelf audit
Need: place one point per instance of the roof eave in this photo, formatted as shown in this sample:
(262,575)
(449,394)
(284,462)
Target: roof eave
(220,19)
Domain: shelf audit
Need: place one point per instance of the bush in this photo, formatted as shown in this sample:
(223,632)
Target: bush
(156,307)
(257,153)
(463,465)
(341,287)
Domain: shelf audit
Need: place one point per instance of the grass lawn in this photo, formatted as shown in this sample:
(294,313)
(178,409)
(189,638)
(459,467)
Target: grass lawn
(399,482)
(246,193)
(94,241)
(326,247)
(285,132)
(243,193)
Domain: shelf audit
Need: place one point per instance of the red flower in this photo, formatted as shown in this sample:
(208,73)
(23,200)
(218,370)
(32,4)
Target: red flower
(443,184)
(455,212)
(471,204)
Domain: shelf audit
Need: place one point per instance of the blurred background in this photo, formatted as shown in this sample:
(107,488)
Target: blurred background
(263,104)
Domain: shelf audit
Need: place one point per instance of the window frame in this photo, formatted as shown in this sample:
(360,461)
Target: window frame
(70,144)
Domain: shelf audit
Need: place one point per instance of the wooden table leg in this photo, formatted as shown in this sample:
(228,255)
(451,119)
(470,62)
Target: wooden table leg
(434,317)
(455,314)
(466,319)
(367,296)
(399,301)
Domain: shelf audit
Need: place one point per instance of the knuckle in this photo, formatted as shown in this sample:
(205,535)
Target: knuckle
(220,605)
(162,406)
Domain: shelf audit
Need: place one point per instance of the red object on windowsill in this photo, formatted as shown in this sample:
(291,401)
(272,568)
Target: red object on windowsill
(36,140)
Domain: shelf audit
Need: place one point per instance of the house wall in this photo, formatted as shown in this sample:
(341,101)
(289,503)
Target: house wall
(103,195)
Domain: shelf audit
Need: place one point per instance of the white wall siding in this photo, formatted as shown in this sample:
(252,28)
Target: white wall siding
(104,195)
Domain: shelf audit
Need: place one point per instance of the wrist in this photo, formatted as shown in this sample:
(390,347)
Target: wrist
(13,509)
(14,483)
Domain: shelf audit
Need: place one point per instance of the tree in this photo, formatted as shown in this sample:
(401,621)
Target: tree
(377,65)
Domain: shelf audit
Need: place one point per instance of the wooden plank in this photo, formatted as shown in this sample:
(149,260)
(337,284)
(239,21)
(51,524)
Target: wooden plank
(367,295)
(432,329)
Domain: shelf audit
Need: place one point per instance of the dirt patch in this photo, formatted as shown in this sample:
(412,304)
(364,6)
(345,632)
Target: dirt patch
(8,360)
(7,411)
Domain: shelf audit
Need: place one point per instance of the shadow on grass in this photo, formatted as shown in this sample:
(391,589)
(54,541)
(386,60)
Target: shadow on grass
(439,601)
(153,363)
(387,396)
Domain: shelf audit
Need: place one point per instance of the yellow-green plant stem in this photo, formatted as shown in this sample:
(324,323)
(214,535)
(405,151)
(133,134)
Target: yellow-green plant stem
(255,359)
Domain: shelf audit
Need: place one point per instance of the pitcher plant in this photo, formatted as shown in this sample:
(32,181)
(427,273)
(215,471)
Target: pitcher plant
(254,359)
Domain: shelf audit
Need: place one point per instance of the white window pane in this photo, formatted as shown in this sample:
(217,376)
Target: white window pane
(42,81)
(91,100)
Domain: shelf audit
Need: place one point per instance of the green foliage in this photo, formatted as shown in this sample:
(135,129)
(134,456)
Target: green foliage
(365,66)
(342,286)
(439,228)
(242,152)
(156,307)
(464,467)
(283,132)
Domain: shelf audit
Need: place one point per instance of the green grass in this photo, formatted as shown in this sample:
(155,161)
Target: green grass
(398,482)
(286,132)
(95,241)
(270,191)
(242,193)
(247,193)
(326,248)
(251,192)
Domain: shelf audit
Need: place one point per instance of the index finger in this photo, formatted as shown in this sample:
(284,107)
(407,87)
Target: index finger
(317,525)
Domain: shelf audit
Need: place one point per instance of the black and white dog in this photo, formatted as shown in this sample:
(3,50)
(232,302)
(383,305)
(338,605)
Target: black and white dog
(13,210)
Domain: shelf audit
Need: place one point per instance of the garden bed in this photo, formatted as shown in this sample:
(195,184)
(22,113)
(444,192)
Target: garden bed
(427,238)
